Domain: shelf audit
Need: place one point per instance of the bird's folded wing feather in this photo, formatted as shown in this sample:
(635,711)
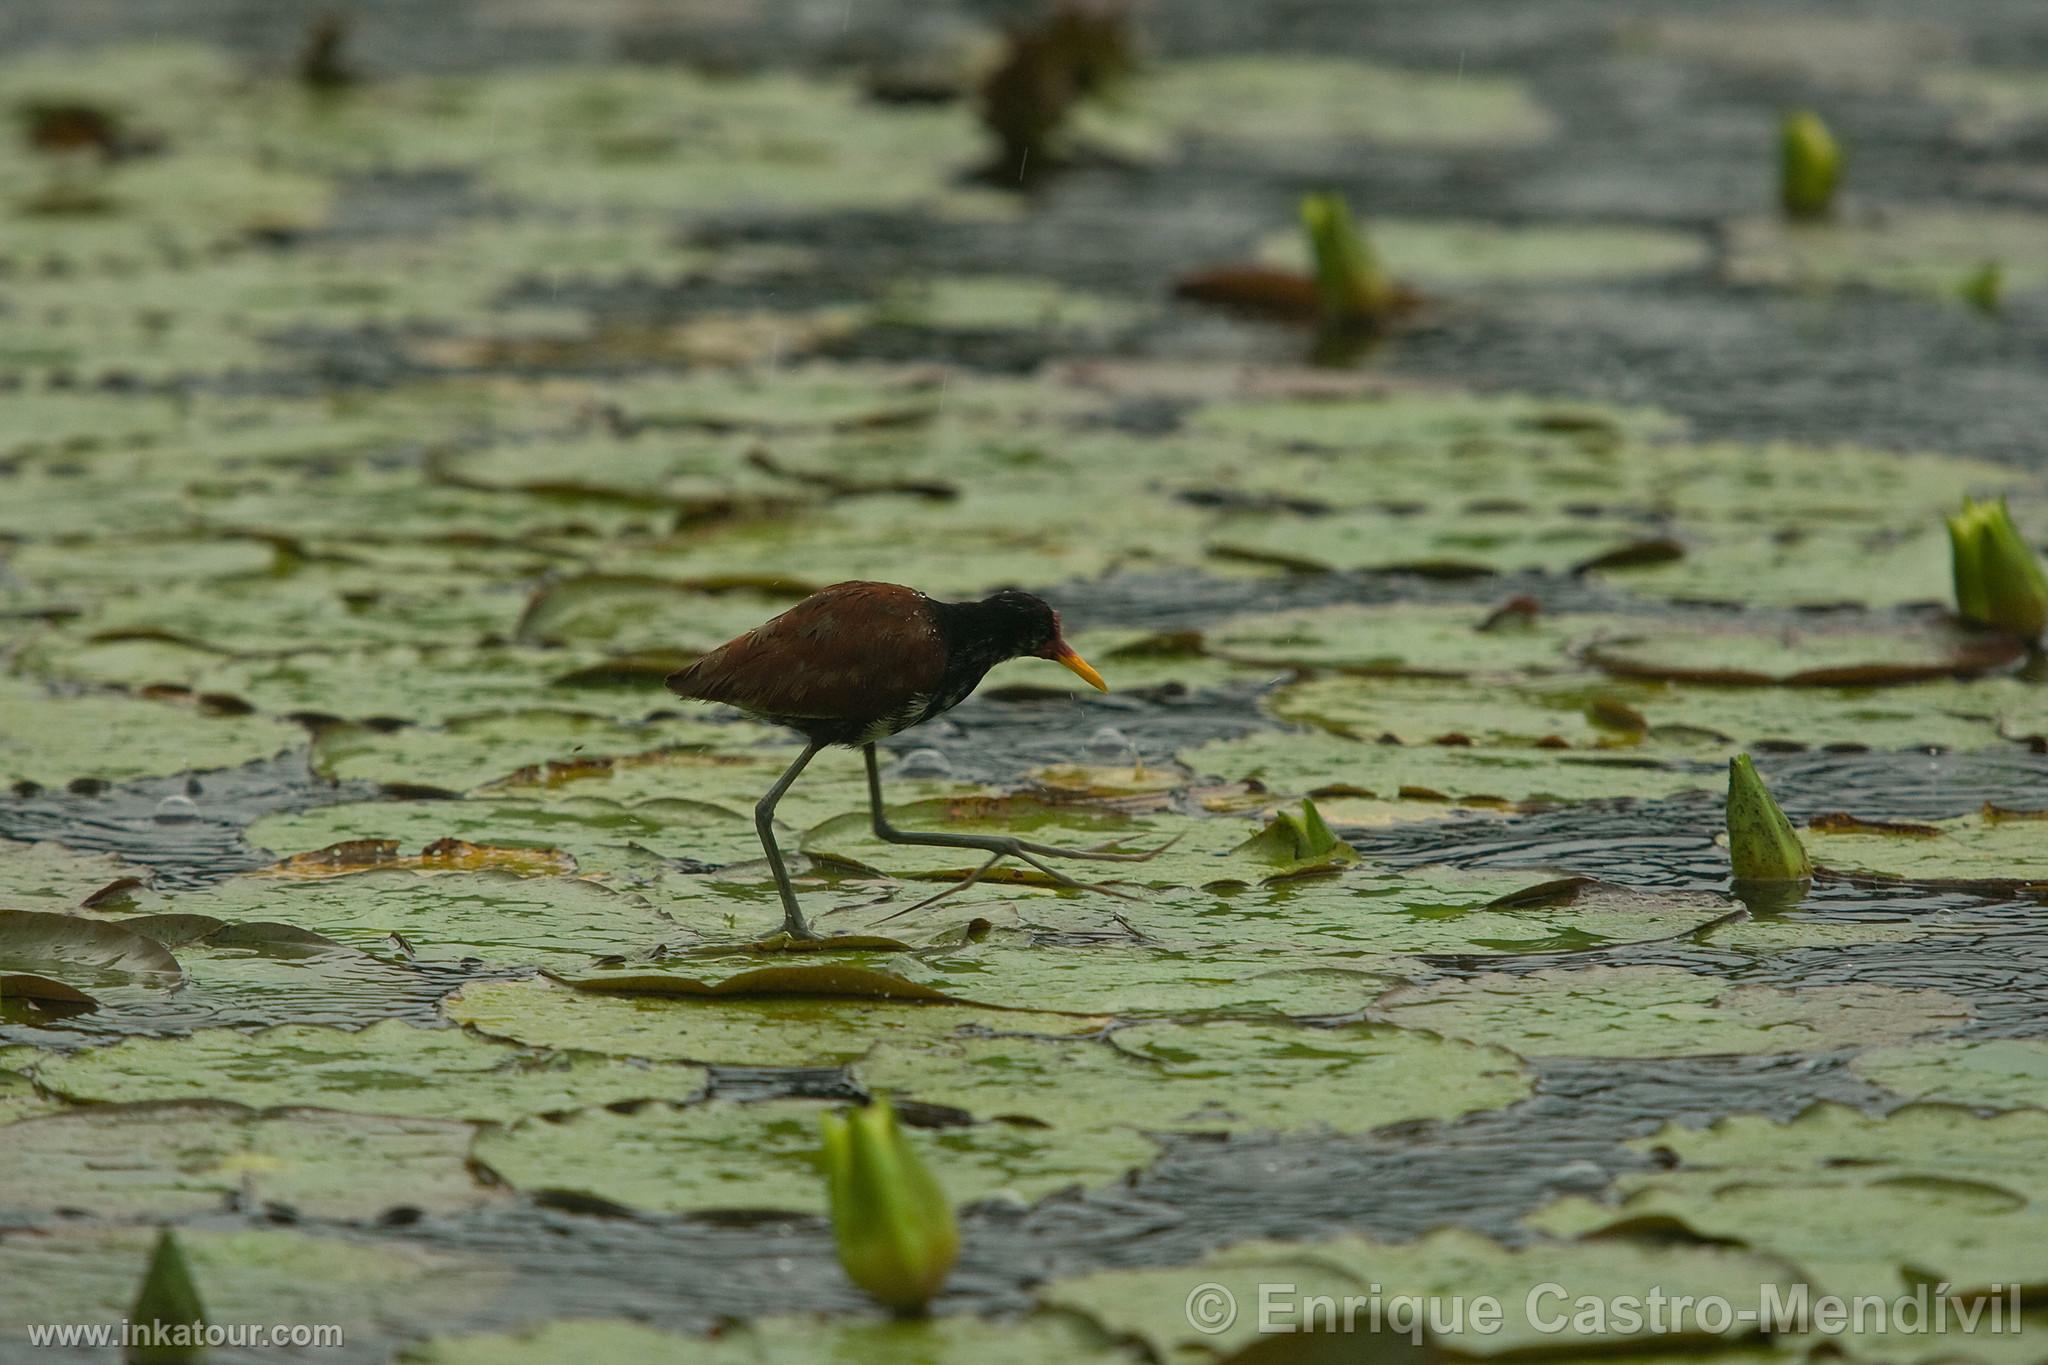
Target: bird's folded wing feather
(852,652)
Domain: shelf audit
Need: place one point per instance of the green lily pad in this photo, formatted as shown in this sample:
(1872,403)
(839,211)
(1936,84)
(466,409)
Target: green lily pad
(91,950)
(391,1068)
(1429,775)
(1854,655)
(1403,638)
(496,917)
(1291,105)
(88,1274)
(795,1340)
(1995,850)
(1920,250)
(1451,251)
(1225,1076)
(1864,1204)
(975,303)
(1539,1288)
(471,750)
(53,740)
(1663,1012)
(145,1160)
(49,876)
(1990,1073)
(785,1031)
(723,1155)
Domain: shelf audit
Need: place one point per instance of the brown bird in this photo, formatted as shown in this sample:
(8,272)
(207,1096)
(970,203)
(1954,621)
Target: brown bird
(857,662)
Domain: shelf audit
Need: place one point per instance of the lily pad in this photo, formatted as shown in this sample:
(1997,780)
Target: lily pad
(148,1161)
(795,1340)
(1921,249)
(1451,251)
(496,917)
(1865,1204)
(1664,1012)
(1215,1077)
(1538,1286)
(94,950)
(51,741)
(1991,1073)
(256,1275)
(1997,851)
(390,1068)
(756,1031)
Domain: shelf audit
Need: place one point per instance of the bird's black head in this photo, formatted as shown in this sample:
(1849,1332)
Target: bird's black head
(1012,624)
(1020,624)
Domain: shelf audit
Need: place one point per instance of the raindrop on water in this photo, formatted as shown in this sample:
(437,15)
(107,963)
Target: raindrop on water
(176,810)
(923,763)
(1110,744)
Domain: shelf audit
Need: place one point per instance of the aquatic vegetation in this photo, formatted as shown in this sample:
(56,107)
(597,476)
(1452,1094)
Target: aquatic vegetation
(1998,575)
(1810,166)
(1761,844)
(895,1229)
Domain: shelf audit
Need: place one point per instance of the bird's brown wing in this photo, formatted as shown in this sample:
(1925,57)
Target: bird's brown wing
(852,652)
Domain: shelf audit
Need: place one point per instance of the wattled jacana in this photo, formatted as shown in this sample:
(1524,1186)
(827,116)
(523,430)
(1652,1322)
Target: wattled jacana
(857,662)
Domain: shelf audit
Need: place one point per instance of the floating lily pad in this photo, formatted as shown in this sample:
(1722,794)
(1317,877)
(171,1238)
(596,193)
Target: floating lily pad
(1791,655)
(1664,1012)
(89,950)
(1919,249)
(755,1031)
(1864,1204)
(795,1340)
(1538,1286)
(1404,639)
(1000,302)
(496,917)
(1216,1077)
(1997,851)
(389,1068)
(1449,251)
(1992,1073)
(1293,105)
(260,1275)
(49,876)
(1430,775)
(126,1160)
(51,741)
(722,1155)
(469,751)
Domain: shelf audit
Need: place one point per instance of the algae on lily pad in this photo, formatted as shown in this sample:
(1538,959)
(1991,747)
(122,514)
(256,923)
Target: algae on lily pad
(390,1068)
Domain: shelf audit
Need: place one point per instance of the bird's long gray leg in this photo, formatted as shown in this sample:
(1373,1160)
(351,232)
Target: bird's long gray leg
(764,821)
(998,845)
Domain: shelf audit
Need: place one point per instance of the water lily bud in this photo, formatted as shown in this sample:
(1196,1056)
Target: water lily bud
(1998,577)
(1350,284)
(1811,168)
(896,1234)
(1296,841)
(167,1309)
(1984,288)
(1761,843)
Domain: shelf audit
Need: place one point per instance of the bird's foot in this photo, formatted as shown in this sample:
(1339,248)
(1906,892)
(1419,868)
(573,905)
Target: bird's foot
(1022,852)
(1100,853)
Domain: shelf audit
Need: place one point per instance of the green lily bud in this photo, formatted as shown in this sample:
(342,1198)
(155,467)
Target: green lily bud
(1984,288)
(1761,843)
(1297,841)
(1998,577)
(1351,286)
(896,1234)
(167,1302)
(1811,166)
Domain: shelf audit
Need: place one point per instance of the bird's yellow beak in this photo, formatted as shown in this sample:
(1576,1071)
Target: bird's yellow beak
(1063,653)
